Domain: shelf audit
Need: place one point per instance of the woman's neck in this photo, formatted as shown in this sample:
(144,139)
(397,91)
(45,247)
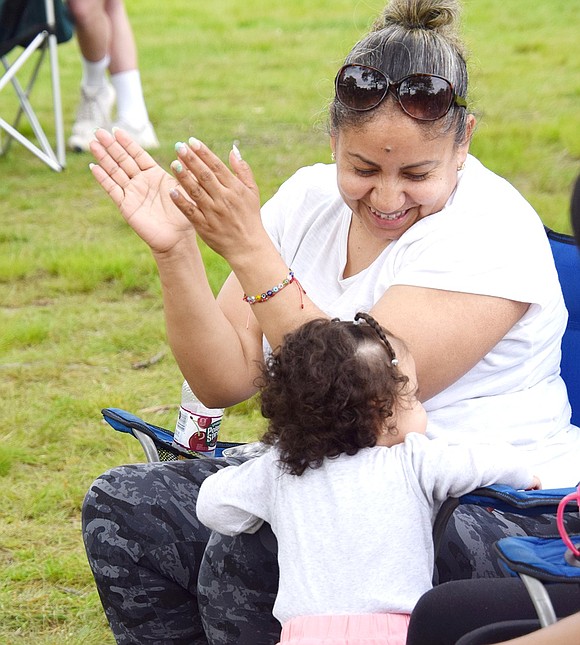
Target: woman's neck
(362,248)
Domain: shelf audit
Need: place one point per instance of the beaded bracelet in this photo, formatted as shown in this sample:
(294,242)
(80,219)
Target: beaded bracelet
(262,297)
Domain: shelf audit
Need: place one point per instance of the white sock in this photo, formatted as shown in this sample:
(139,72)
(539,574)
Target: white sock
(95,73)
(131,107)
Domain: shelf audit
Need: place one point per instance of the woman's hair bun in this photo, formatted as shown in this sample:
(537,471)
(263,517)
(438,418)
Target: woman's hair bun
(437,15)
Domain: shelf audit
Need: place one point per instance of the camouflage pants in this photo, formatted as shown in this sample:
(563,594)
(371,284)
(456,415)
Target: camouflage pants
(164,578)
(467,547)
(146,550)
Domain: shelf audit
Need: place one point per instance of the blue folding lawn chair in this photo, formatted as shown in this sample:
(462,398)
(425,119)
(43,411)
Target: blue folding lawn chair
(157,442)
(567,259)
(539,561)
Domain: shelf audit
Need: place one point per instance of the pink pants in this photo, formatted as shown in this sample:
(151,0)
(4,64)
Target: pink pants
(363,629)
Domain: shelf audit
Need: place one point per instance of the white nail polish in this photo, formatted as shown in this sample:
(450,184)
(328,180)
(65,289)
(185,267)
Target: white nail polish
(194,144)
(237,153)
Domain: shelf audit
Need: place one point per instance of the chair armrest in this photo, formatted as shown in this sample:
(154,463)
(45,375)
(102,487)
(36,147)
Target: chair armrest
(524,502)
(543,558)
(503,498)
(124,421)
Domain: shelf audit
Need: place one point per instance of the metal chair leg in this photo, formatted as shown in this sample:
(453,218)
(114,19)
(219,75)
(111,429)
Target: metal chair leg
(541,600)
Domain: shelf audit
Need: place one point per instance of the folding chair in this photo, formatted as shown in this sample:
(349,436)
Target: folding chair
(538,562)
(543,560)
(567,259)
(33,28)
(157,442)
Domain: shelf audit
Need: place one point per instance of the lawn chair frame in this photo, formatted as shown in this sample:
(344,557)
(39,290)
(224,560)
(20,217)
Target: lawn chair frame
(36,26)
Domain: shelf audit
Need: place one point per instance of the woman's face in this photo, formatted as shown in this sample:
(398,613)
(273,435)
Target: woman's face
(391,175)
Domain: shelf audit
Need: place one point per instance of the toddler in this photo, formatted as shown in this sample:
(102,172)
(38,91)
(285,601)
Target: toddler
(351,485)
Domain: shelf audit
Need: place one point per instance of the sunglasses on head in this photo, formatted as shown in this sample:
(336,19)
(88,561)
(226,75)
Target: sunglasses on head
(425,97)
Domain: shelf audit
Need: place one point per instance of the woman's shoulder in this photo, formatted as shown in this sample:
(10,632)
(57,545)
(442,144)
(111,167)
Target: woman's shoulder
(485,209)
(481,191)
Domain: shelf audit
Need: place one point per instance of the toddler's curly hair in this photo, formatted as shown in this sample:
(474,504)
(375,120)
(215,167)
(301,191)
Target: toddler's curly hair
(329,389)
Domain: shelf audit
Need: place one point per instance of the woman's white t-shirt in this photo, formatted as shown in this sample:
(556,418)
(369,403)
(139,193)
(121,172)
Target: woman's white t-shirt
(486,240)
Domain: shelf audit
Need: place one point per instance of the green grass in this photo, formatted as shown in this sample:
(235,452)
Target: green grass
(79,295)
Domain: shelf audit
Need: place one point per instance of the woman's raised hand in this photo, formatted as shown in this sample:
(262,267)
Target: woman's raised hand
(140,189)
(223,206)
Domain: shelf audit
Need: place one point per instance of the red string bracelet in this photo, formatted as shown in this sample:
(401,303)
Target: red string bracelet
(262,297)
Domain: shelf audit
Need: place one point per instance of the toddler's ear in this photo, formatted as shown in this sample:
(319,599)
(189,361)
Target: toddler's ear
(388,437)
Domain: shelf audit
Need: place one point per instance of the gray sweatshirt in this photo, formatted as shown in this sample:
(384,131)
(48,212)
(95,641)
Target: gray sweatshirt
(355,535)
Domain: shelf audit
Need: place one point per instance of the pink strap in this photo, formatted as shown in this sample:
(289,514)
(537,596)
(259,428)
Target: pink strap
(575,496)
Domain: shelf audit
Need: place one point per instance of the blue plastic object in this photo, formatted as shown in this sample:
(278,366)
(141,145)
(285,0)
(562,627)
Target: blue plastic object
(541,558)
(567,259)
(524,502)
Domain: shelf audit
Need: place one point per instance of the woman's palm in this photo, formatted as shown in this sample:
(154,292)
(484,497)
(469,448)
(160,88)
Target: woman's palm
(140,189)
(150,211)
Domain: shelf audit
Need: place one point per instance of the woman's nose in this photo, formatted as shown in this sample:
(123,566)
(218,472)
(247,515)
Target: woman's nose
(388,197)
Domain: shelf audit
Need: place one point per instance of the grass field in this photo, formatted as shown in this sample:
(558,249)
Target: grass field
(79,297)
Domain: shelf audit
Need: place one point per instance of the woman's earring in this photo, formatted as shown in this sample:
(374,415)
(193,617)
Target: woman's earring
(333,157)
(461,167)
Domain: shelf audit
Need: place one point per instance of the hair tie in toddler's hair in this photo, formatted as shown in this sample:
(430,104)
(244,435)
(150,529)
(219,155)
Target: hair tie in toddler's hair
(360,316)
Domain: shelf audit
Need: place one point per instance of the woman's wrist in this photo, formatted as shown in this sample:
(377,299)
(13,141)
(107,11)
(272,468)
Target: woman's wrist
(259,269)
(245,257)
(181,252)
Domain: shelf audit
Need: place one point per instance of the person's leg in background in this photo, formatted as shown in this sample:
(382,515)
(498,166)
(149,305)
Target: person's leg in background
(107,46)
(93,34)
(132,113)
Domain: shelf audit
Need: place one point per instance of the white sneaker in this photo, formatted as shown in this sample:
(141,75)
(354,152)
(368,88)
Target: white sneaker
(94,112)
(145,136)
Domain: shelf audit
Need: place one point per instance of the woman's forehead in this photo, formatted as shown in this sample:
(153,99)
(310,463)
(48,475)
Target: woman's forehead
(394,133)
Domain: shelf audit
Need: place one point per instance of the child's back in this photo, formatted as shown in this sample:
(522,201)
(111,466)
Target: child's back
(354,535)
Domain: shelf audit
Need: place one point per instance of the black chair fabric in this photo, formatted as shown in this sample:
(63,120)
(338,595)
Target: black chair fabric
(22,20)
